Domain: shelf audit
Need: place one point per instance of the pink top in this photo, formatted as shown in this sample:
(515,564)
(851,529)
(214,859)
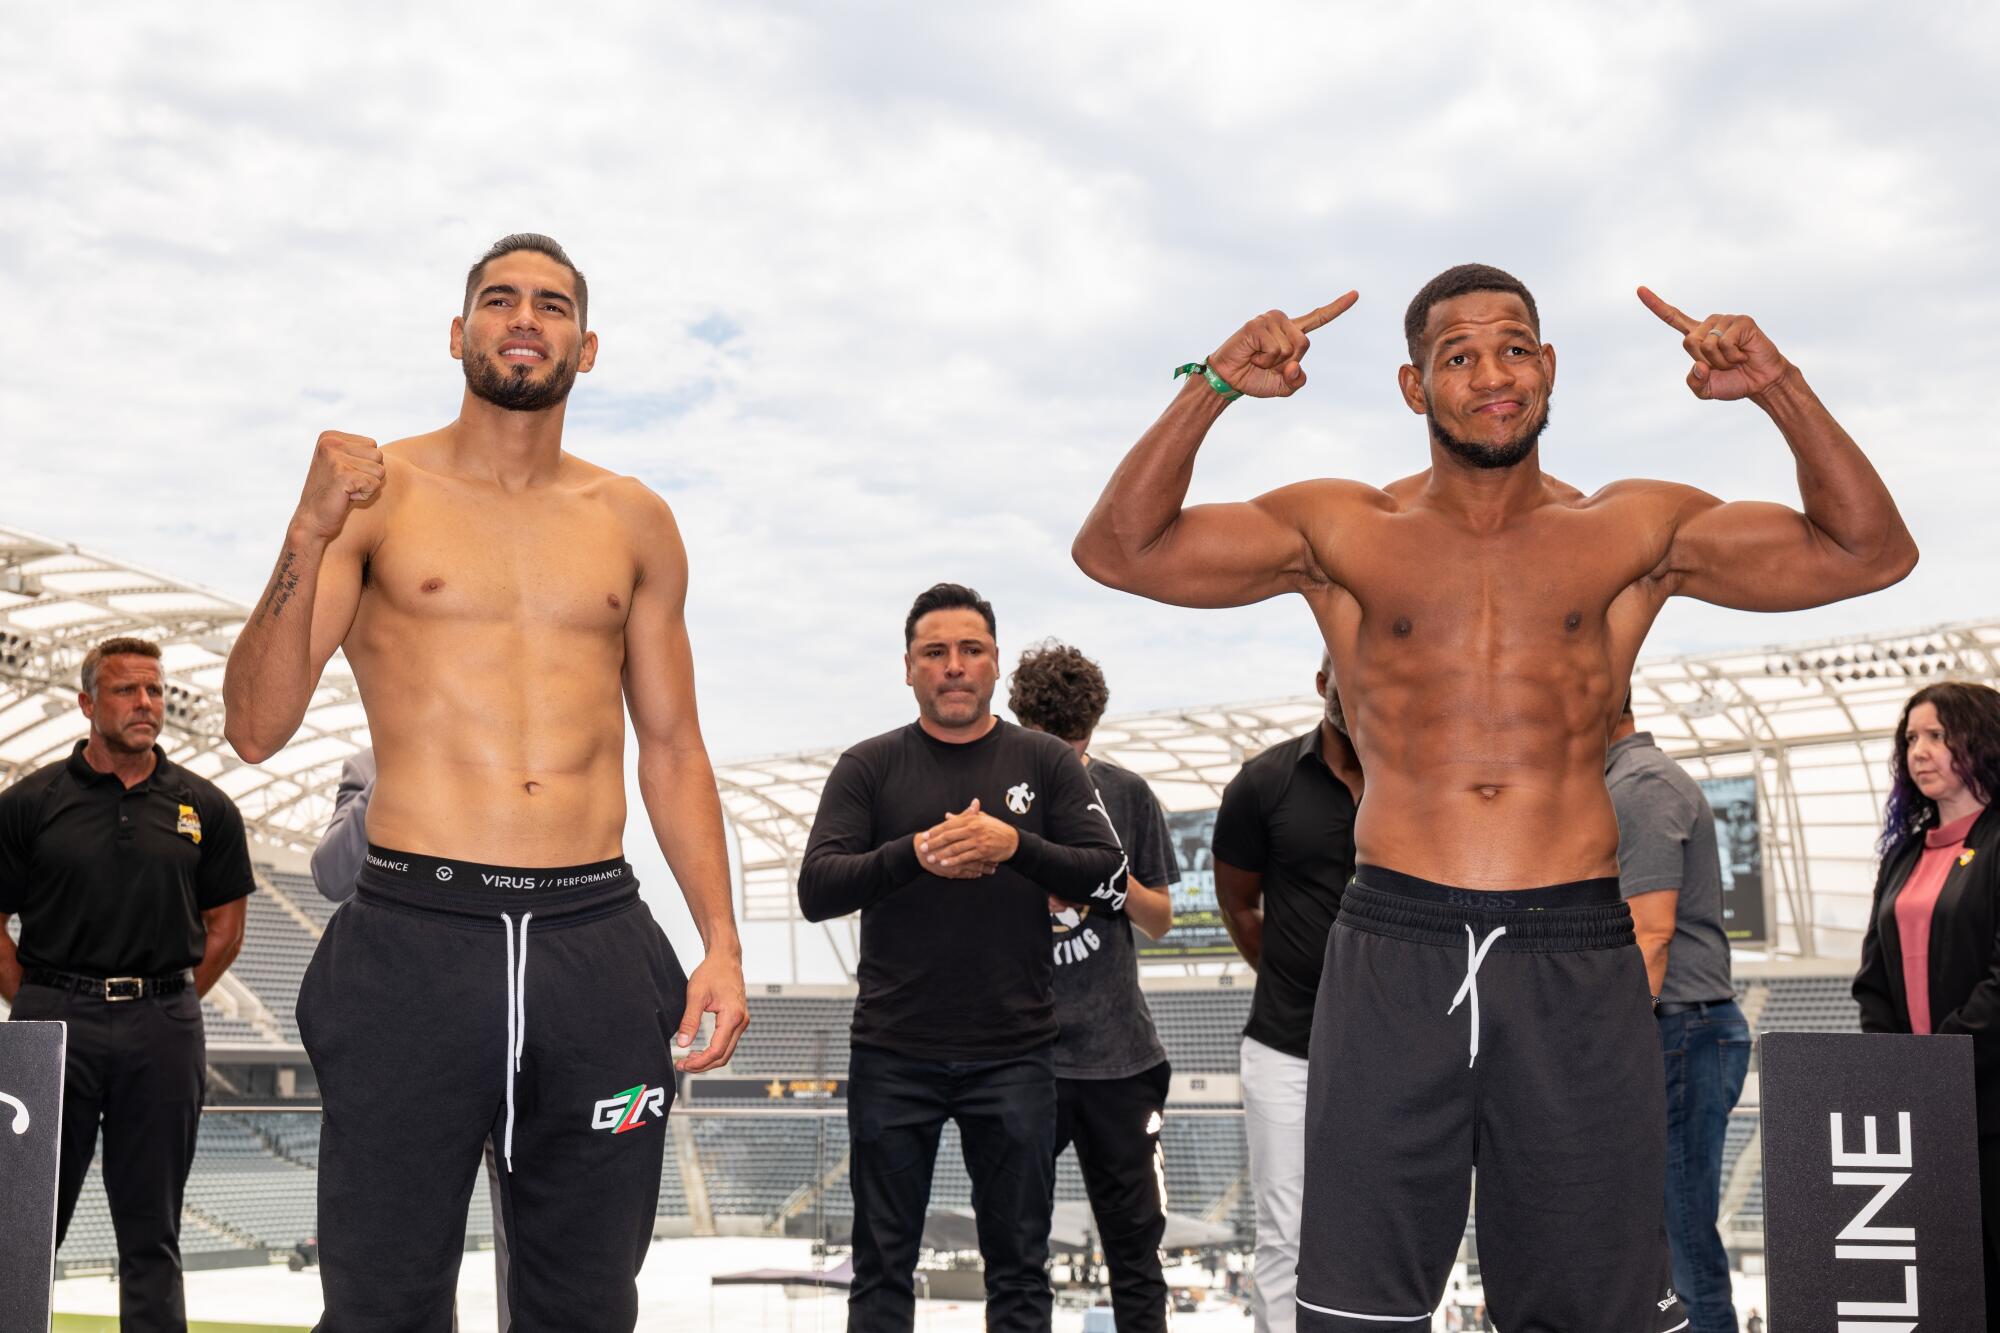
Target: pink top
(1914,905)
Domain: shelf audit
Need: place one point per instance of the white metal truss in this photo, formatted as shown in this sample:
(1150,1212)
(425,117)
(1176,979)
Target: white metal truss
(1811,722)
(57,601)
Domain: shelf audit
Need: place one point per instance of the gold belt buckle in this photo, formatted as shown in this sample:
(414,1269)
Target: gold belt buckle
(137,984)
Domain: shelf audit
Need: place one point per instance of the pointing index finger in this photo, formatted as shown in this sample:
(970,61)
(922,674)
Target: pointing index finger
(1669,315)
(1326,314)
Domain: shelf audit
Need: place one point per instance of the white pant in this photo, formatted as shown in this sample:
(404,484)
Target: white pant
(1274,1122)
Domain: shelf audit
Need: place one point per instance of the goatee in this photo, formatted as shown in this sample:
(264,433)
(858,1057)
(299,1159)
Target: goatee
(514,388)
(1491,455)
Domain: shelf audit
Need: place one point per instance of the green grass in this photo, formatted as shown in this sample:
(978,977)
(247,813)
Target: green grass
(104,1323)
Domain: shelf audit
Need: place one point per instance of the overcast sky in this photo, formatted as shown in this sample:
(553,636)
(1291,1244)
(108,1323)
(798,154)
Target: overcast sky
(884,291)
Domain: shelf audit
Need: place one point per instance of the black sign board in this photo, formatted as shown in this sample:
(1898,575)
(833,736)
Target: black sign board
(31,1089)
(1871,1183)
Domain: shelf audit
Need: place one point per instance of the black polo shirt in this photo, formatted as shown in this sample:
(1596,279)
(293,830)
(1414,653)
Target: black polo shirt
(112,882)
(1288,817)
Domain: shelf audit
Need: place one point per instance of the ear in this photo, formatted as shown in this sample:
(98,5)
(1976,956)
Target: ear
(1319,683)
(1411,380)
(909,669)
(87,704)
(458,337)
(588,356)
(1549,363)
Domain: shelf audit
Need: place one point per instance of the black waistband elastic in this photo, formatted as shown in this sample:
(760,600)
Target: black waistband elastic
(1581,914)
(476,889)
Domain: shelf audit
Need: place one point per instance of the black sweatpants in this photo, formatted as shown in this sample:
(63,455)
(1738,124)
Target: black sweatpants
(450,1001)
(1006,1113)
(1504,1033)
(138,1067)
(1115,1126)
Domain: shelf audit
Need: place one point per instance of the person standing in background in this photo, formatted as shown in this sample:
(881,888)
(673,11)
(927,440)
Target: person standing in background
(336,866)
(1929,962)
(948,835)
(129,874)
(1112,1073)
(1284,851)
(1670,872)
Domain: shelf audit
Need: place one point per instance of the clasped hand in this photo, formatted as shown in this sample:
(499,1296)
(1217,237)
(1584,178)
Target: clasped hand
(967,845)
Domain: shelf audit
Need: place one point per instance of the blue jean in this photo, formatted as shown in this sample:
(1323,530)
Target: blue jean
(1707,1054)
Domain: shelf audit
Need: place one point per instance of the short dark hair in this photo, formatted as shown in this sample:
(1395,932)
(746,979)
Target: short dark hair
(1457,281)
(944,597)
(122,646)
(1058,690)
(541,245)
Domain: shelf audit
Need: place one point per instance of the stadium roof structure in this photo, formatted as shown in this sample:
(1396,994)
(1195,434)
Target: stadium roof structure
(1810,722)
(57,600)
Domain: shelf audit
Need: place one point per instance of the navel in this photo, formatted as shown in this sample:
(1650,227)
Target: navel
(532,788)
(432,584)
(1401,627)
(1572,621)
(1488,792)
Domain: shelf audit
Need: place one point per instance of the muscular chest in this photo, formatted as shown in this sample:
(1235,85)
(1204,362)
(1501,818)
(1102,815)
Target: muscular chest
(1544,588)
(548,562)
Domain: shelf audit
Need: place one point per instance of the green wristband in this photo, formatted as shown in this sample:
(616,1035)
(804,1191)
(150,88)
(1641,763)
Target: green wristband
(1215,381)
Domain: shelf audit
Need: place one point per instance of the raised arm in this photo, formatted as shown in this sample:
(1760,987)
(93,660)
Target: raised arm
(1755,556)
(1142,538)
(309,603)
(677,782)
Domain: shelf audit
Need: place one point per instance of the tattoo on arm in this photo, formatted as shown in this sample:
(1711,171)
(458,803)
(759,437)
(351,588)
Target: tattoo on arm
(284,583)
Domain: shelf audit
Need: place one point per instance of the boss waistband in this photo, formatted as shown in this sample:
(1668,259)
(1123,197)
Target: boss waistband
(1581,914)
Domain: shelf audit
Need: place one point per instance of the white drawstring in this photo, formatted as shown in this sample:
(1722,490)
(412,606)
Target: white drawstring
(1475,954)
(517,1021)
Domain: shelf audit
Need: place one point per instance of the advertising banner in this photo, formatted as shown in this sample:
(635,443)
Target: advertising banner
(1871,1183)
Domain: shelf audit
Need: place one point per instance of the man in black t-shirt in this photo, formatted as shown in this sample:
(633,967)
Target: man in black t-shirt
(129,874)
(1284,850)
(1111,1070)
(948,836)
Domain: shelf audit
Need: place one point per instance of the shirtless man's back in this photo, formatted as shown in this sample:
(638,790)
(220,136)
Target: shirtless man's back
(1484,619)
(501,604)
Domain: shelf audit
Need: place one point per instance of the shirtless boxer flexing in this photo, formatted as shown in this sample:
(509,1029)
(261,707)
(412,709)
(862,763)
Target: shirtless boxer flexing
(496,972)
(1485,1003)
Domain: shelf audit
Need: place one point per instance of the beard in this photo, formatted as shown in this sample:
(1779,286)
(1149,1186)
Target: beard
(513,387)
(1491,455)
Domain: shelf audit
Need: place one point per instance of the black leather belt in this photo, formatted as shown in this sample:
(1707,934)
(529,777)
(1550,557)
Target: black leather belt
(1668,1008)
(111,990)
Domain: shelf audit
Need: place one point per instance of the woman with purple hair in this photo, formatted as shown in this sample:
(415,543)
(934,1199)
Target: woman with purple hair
(1929,962)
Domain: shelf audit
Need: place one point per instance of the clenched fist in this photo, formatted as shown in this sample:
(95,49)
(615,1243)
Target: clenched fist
(1262,359)
(346,471)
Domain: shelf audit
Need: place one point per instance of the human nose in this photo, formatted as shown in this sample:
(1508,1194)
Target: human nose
(1490,372)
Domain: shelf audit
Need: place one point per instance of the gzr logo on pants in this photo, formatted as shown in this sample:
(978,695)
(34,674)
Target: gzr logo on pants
(628,1109)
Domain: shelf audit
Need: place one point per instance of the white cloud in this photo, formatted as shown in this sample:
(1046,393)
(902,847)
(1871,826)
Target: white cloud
(885,292)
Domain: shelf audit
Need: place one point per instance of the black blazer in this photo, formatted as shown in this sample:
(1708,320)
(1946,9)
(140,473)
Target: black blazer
(1964,956)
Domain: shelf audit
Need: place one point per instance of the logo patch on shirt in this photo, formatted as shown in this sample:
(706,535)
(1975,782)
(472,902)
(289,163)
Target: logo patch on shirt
(1019,797)
(189,825)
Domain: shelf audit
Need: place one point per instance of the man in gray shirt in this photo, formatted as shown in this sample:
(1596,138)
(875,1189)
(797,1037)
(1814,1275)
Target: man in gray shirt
(1671,875)
(336,864)
(1112,1074)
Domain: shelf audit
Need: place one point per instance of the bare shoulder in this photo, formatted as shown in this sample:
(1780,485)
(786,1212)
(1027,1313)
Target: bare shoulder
(1638,497)
(423,453)
(648,523)
(1305,502)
